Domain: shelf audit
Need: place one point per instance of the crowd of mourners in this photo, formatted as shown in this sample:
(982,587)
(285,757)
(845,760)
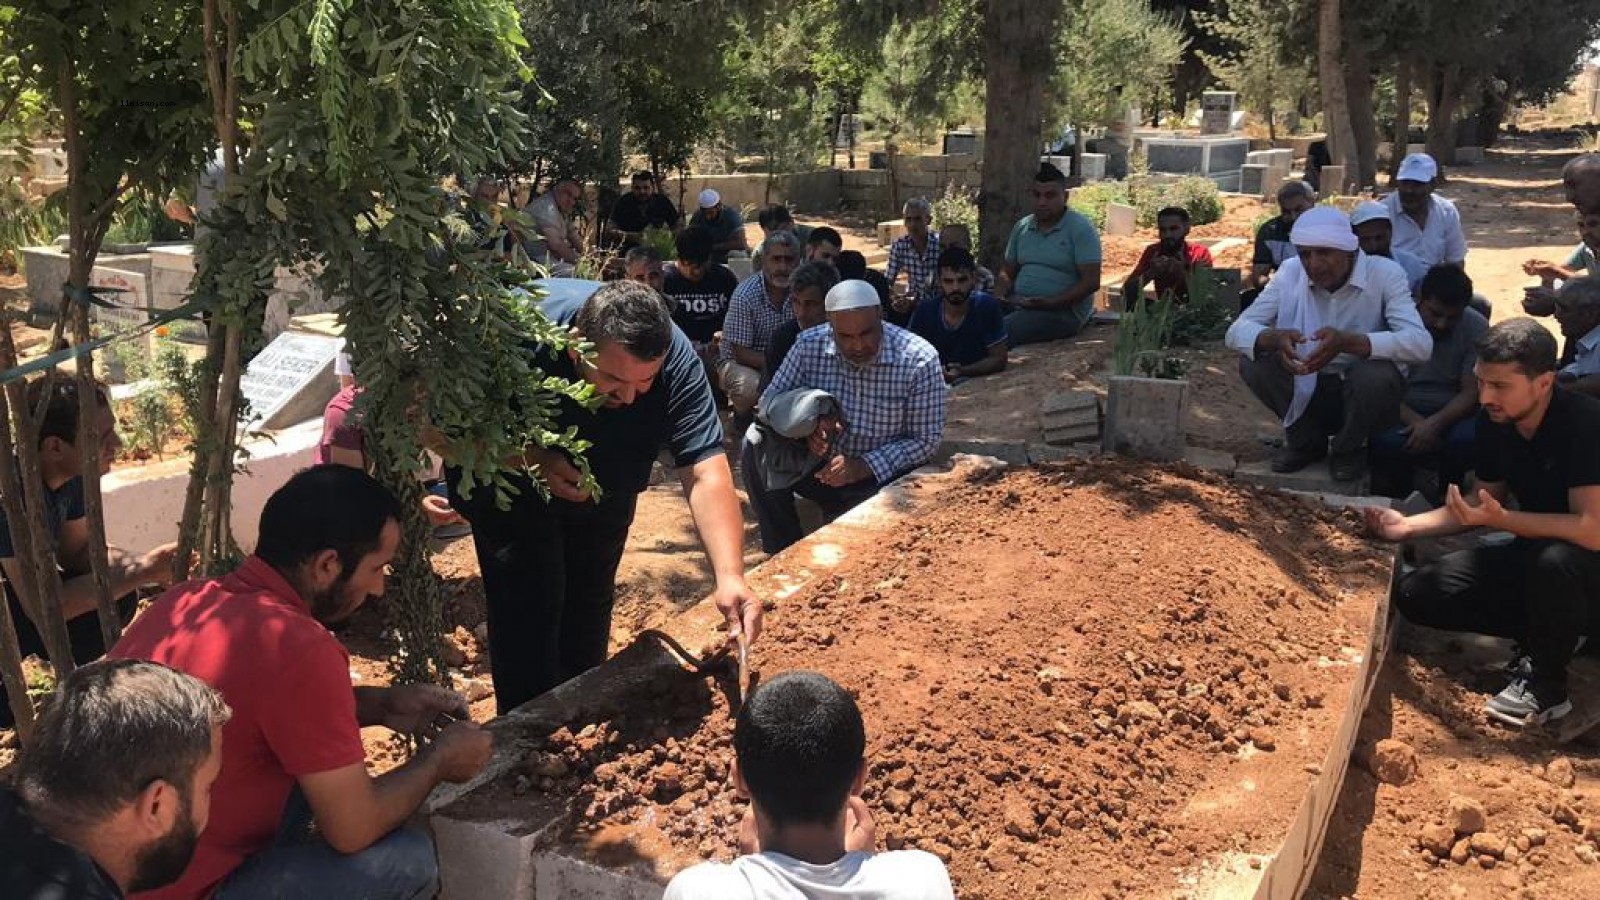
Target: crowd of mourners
(216,749)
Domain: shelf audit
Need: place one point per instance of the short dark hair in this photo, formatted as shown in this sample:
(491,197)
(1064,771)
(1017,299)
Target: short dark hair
(772,215)
(59,391)
(1448,285)
(629,314)
(326,507)
(851,264)
(824,234)
(114,727)
(642,253)
(1049,174)
(644,175)
(1176,212)
(800,742)
(695,245)
(1522,341)
(820,275)
(958,258)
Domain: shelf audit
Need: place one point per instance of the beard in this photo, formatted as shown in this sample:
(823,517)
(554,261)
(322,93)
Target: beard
(164,861)
(957,298)
(332,607)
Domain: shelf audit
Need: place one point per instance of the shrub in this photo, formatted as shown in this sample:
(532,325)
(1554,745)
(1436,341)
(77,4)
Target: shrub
(1195,193)
(1092,199)
(957,206)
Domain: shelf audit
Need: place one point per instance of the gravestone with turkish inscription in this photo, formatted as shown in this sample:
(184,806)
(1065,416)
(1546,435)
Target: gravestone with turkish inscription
(290,381)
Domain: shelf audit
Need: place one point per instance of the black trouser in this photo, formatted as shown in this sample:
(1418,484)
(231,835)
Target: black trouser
(549,580)
(83,633)
(1543,594)
(1351,408)
(776,514)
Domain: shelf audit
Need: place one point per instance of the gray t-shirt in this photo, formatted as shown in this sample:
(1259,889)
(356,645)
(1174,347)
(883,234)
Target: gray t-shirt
(896,875)
(1437,381)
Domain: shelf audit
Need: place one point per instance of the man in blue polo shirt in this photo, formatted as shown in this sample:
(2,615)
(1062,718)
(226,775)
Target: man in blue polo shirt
(1052,267)
(965,325)
(549,566)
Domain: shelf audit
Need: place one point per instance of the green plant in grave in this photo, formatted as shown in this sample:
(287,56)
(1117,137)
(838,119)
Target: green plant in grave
(179,378)
(659,238)
(1205,318)
(1142,332)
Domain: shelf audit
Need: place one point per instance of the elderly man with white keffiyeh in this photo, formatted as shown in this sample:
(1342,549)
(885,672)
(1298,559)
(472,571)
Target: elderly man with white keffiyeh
(1326,345)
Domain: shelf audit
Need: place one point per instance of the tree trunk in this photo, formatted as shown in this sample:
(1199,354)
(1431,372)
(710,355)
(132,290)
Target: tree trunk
(38,586)
(1363,117)
(1444,98)
(1335,103)
(87,225)
(1016,65)
(1402,115)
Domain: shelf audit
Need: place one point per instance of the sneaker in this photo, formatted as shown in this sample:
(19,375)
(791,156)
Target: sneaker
(1520,705)
(1291,459)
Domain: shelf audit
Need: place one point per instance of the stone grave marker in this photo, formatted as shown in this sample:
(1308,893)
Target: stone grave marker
(1121,220)
(1216,111)
(1253,178)
(291,380)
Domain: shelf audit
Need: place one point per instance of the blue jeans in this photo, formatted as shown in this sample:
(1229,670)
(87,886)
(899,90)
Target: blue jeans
(1393,468)
(301,865)
(1034,326)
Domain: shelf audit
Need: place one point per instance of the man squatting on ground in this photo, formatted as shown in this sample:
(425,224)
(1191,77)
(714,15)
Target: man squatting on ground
(1536,445)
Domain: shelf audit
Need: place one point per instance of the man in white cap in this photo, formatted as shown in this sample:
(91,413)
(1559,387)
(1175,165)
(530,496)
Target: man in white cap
(1325,342)
(890,389)
(1425,224)
(1374,227)
(724,223)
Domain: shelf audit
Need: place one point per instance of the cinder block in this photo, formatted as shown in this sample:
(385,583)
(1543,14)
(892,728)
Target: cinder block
(888,231)
(1069,435)
(1064,401)
(1144,417)
(560,877)
(484,859)
(1094,166)
(1333,180)
(1258,158)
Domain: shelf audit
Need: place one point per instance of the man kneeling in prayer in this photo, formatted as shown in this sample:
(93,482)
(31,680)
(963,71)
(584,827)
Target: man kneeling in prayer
(799,755)
(1325,343)
(1536,444)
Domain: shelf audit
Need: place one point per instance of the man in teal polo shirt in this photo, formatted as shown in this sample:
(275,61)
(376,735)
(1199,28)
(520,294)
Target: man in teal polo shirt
(1052,268)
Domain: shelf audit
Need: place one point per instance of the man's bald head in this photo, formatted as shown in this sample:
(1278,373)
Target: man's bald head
(1581,179)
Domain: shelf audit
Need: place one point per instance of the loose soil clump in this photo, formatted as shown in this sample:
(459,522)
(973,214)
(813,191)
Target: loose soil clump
(1103,675)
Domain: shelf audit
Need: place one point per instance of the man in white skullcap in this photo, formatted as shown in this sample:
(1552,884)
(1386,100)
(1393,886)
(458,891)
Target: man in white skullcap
(725,224)
(1326,343)
(1425,224)
(890,389)
(1374,227)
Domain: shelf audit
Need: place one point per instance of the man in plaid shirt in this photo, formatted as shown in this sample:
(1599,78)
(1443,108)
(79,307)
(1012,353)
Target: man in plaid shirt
(916,254)
(758,307)
(890,389)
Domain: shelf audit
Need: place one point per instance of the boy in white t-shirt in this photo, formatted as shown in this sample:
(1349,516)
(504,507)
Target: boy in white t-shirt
(800,756)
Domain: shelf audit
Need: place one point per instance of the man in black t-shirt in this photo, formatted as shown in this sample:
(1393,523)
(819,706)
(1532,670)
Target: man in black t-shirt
(115,788)
(61,468)
(699,290)
(1273,245)
(641,208)
(549,566)
(1536,444)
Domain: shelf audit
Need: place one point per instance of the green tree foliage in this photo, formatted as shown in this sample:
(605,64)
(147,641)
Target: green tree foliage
(1253,55)
(358,111)
(1112,52)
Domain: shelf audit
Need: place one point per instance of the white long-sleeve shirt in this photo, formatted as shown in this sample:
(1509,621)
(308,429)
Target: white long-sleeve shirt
(1441,240)
(1374,301)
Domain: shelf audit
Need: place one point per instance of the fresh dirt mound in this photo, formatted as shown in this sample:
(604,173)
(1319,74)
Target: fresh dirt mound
(1100,675)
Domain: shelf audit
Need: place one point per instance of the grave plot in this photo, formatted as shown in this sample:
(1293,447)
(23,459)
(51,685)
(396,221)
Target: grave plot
(1130,681)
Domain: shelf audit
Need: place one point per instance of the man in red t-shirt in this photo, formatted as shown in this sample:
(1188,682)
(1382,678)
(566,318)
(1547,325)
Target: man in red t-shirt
(1167,262)
(292,752)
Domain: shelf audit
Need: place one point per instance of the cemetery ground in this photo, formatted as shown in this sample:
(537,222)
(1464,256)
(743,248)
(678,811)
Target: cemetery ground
(1426,762)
